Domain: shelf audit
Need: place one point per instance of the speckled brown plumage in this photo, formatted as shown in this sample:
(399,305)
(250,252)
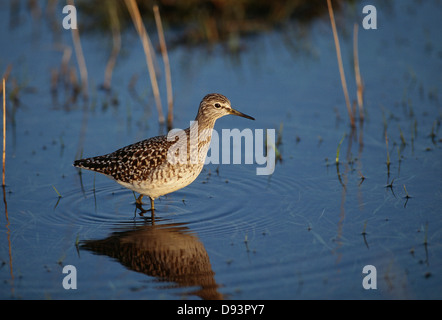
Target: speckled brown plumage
(150,167)
(131,163)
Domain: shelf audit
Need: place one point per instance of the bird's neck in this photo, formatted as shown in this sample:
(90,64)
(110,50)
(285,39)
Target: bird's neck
(203,122)
(200,131)
(199,135)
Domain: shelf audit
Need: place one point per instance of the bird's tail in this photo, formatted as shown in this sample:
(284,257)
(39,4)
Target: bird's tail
(98,164)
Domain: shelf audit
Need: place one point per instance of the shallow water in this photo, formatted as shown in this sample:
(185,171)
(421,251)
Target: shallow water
(307,231)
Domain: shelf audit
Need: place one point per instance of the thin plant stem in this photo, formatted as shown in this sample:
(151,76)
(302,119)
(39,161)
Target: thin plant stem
(4,132)
(341,68)
(80,58)
(359,85)
(163,47)
(136,18)
(339,148)
(115,27)
(388,154)
(58,193)
(6,75)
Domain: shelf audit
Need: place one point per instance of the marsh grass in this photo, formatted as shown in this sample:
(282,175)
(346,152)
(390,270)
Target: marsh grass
(401,135)
(4,133)
(8,232)
(145,40)
(80,59)
(388,154)
(426,234)
(407,196)
(432,134)
(359,84)
(65,78)
(340,65)
(338,149)
(364,234)
(58,193)
(59,197)
(166,66)
(362,177)
(341,181)
(276,146)
(116,44)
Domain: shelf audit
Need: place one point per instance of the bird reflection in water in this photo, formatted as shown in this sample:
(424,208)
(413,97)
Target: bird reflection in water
(168,252)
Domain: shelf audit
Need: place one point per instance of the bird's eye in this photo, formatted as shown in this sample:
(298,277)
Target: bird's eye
(217,105)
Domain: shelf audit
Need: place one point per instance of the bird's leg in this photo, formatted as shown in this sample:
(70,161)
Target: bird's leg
(152,208)
(143,211)
(138,201)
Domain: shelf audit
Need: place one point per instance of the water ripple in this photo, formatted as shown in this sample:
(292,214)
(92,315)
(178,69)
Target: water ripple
(215,205)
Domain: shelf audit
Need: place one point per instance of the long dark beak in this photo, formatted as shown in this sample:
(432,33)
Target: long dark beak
(237,113)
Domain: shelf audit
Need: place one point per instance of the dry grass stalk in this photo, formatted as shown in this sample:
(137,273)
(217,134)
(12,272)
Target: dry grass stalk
(6,75)
(388,154)
(163,47)
(8,70)
(136,18)
(80,58)
(341,68)
(4,131)
(360,86)
(116,37)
